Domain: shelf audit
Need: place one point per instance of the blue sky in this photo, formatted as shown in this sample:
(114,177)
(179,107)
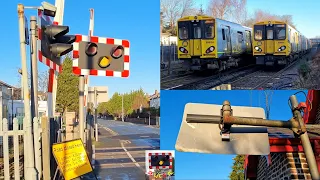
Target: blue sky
(209,166)
(118,19)
(303,12)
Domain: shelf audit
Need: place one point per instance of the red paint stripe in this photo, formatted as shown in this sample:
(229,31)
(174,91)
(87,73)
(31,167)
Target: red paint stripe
(286,148)
(55,23)
(150,167)
(40,56)
(156,154)
(149,160)
(170,154)
(50,85)
(92,72)
(76,70)
(170,167)
(163,167)
(60,69)
(48,62)
(39,34)
(163,154)
(125,43)
(150,154)
(157,167)
(125,73)
(94,39)
(75,54)
(110,41)
(109,73)
(170,160)
(126,58)
(78,38)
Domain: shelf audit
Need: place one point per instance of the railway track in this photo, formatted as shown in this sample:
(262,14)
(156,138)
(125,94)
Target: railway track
(286,78)
(194,82)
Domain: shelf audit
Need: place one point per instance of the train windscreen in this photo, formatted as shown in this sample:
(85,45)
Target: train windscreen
(183,30)
(280,31)
(259,32)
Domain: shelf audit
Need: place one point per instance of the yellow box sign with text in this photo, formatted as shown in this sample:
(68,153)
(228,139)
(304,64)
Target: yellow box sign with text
(72,158)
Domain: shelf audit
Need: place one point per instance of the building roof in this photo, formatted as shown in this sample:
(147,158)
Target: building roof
(7,85)
(155,95)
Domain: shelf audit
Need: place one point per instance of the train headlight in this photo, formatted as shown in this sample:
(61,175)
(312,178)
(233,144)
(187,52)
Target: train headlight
(256,48)
(183,50)
(282,48)
(210,49)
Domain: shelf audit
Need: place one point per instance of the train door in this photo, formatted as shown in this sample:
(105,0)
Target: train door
(269,40)
(226,30)
(248,42)
(197,35)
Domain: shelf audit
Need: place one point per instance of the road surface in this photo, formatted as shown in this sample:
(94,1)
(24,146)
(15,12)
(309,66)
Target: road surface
(120,152)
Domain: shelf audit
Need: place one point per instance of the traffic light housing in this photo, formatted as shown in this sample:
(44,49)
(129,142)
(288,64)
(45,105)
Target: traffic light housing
(54,41)
(101,56)
(160,160)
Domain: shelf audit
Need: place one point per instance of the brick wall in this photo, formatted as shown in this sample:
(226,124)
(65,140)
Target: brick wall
(286,166)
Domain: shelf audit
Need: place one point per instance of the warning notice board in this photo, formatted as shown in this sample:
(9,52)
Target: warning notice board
(71,158)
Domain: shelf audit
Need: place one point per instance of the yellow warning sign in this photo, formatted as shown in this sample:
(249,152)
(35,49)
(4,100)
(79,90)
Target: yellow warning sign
(71,158)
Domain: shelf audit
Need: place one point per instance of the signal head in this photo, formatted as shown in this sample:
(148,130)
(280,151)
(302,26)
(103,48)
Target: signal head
(49,9)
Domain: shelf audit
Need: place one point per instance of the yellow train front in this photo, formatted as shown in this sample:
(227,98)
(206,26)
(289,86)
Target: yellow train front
(277,43)
(205,43)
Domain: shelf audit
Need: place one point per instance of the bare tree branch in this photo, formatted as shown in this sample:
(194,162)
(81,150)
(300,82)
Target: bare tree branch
(220,8)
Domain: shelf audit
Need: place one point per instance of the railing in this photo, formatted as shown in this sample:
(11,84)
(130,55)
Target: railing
(12,148)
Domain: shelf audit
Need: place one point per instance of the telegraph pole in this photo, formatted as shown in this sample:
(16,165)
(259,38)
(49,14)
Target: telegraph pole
(34,68)
(31,172)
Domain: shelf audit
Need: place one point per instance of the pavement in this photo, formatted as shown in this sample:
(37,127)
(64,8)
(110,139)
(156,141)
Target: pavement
(120,151)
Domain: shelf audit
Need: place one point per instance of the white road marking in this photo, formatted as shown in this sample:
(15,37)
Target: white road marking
(130,156)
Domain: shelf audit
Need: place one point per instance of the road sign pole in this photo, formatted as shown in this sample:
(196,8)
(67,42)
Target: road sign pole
(30,169)
(34,83)
(34,68)
(95,114)
(122,109)
(305,140)
(81,105)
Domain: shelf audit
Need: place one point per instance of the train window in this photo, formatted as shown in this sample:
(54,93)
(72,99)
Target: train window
(197,32)
(280,31)
(269,34)
(223,35)
(258,32)
(208,31)
(183,33)
(240,37)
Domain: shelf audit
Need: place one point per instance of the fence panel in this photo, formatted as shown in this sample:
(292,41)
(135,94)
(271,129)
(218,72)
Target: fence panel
(16,149)
(5,148)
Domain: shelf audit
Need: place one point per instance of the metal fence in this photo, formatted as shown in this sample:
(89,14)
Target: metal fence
(168,53)
(12,148)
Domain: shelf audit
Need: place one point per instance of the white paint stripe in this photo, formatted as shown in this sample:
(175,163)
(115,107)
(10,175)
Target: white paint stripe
(130,156)
(126,51)
(76,46)
(126,66)
(85,38)
(117,74)
(102,40)
(75,63)
(117,41)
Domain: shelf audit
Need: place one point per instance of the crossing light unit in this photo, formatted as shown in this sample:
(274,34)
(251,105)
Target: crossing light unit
(53,42)
(99,56)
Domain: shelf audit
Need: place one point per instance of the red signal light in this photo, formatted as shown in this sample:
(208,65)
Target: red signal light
(92,49)
(117,52)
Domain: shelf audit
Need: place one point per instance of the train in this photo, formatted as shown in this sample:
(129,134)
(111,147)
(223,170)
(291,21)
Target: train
(206,43)
(277,43)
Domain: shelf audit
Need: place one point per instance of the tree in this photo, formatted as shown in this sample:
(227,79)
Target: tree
(131,102)
(42,84)
(240,11)
(174,9)
(237,168)
(68,88)
(220,8)
(260,15)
